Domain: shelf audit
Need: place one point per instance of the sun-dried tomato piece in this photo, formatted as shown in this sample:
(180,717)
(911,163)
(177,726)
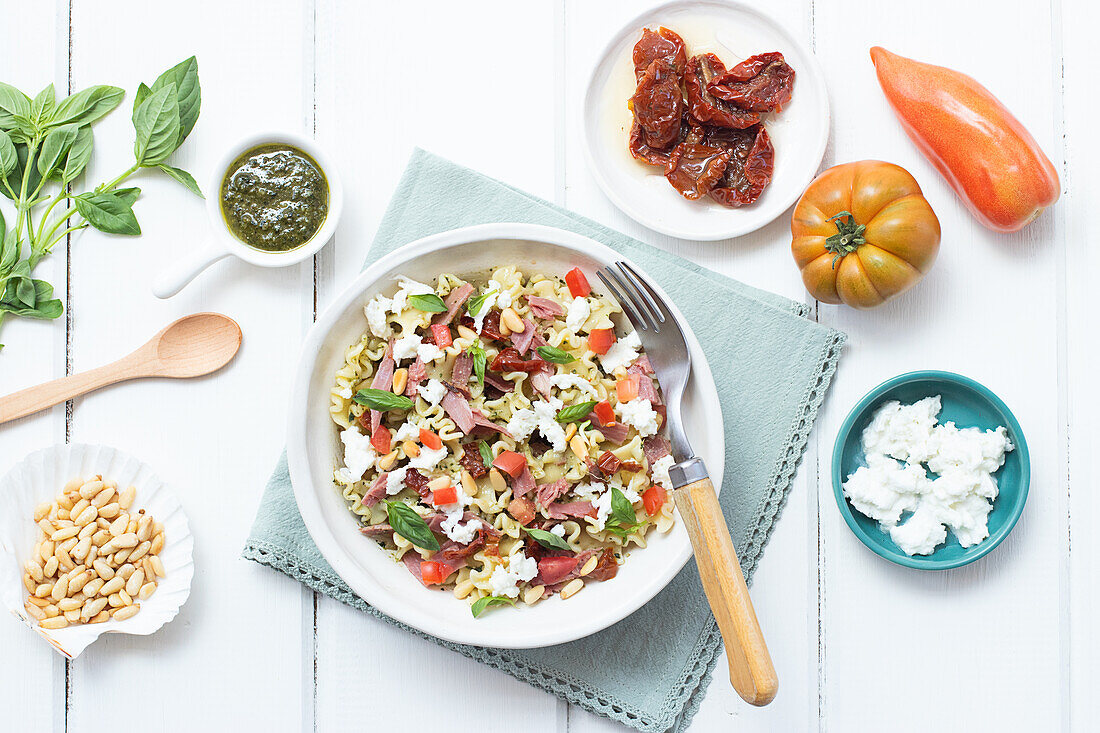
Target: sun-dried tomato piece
(662,44)
(490,327)
(509,360)
(694,168)
(630,467)
(658,105)
(761,83)
(607,567)
(471,460)
(418,482)
(689,132)
(751,162)
(704,106)
(609,463)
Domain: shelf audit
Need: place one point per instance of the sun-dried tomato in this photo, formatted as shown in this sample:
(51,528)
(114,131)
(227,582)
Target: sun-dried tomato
(689,132)
(752,160)
(509,360)
(761,83)
(630,467)
(606,568)
(471,460)
(490,327)
(695,168)
(609,463)
(703,105)
(418,482)
(662,44)
(658,105)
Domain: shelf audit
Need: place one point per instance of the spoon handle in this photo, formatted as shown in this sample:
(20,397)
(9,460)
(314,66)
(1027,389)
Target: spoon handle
(31,400)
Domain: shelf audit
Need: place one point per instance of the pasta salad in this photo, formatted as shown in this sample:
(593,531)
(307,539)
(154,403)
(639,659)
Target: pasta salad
(499,438)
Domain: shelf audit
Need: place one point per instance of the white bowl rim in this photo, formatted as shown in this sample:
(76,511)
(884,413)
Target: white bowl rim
(305,493)
(817,78)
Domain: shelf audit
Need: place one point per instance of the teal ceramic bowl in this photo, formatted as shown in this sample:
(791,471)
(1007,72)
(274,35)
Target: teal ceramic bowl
(967,404)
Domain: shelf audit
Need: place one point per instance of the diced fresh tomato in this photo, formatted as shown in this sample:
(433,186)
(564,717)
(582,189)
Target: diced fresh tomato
(448,495)
(653,499)
(626,389)
(600,339)
(605,414)
(523,509)
(510,462)
(381,438)
(431,572)
(442,335)
(578,283)
(430,440)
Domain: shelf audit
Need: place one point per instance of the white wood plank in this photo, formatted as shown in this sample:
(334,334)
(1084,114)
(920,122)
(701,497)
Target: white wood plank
(236,650)
(390,77)
(982,643)
(785,585)
(32,677)
(1081,262)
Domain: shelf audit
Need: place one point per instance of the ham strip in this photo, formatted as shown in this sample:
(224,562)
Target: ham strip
(647,390)
(461,370)
(561,569)
(616,432)
(376,492)
(495,380)
(418,372)
(458,409)
(482,422)
(655,447)
(522,341)
(544,307)
(383,380)
(382,530)
(454,301)
(540,382)
(548,493)
(524,483)
(565,510)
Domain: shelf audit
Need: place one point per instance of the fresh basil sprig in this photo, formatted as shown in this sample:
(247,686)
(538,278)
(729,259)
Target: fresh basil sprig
(486,454)
(482,603)
(555,355)
(548,539)
(383,400)
(575,413)
(411,525)
(475,304)
(623,520)
(428,302)
(478,355)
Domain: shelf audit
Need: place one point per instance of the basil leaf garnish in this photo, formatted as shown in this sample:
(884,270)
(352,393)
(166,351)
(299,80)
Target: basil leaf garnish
(411,525)
(427,302)
(623,520)
(475,304)
(482,603)
(548,539)
(383,400)
(555,355)
(486,454)
(478,355)
(574,413)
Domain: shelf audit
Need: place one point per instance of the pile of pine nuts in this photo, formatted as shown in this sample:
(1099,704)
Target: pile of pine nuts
(94,559)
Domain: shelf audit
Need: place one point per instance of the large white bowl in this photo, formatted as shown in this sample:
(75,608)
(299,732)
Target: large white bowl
(313,450)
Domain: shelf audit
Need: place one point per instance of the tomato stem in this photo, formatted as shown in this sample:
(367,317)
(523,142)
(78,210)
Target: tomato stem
(848,238)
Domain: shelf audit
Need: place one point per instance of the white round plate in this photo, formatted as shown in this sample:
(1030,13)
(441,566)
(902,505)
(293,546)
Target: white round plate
(313,451)
(734,32)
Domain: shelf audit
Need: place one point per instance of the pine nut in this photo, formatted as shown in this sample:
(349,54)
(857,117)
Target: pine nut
(505,331)
(102,523)
(131,528)
(50,568)
(92,587)
(42,511)
(121,556)
(412,450)
(469,486)
(440,482)
(533,594)
(109,511)
(34,570)
(137,579)
(60,514)
(128,540)
(577,445)
(571,431)
(51,610)
(119,525)
(510,318)
(125,597)
(66,502)
(571,588)
(400,379)
(63,560)
(125,571)
(57,622)
(68,544)
(79,507)
(103,497)
(34,611)
(78,581)
(45,550)
(80,552)
(94,606)
(87,516)
(68,604)
(124,613)
(101,537)
(158,566)
(386,462)
(126,497)
(147,590)
(73,484)
(88,530)
(145,528)
(497,481)
(35,600)
(29,584)
(58,591)
(115,601)
(113,585)
(467,333)
(46,526)
(90,489)
(72,616)
(589,565)
(158,544)
(103,569)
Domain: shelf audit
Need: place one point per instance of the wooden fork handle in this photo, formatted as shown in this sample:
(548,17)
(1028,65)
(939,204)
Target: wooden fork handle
(751,671)
(31,400)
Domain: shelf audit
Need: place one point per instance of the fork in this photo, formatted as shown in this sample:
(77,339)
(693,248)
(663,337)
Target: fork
(751,671)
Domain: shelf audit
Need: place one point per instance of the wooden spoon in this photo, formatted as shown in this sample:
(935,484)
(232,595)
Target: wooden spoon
(190,347)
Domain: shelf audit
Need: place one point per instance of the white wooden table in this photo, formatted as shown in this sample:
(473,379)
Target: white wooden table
(1007,643)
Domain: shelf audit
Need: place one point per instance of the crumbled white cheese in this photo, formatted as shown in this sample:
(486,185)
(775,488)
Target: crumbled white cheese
(546,415)
(622,353)
(565,381)
(522,423)
(640,414)
(358,453)
(577,313)
(406,347)
(408,287)
(492,294)
(346,393)
(395,480)
(958,498)
(559,530)
(520,569)
(429,353)
(503,298)
(659,471)
(432,392)
(407,431)
(428,458)
(463,534)
(376,312)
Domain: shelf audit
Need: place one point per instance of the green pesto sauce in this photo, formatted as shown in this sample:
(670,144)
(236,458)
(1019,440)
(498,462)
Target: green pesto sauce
(274,197)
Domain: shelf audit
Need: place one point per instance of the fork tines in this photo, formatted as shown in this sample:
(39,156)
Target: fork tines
(642,305)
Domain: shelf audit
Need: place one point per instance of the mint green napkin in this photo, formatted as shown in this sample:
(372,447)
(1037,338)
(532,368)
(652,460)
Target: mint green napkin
(772,368)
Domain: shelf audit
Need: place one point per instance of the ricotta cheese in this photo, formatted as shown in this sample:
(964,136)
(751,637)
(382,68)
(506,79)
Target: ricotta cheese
(429,353)
(377,320)
(461,533)
(407,431)
(622,353)
(406,347)
(503,297)
(559,530)
(520,569)
(395,480)
(640,414)
(493,293)
(522,423)
(902,444)
(565,381)
(428,458)
(346,393)
(659,471)
(577,313)
(546,416)
(408,287)
(432,392)
(358,454)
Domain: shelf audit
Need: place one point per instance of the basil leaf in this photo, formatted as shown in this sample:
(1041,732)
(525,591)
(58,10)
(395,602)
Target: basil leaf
(157,126)
(15,178)
(555,355)
(182,176)
(110,211)
(548,539)
(486,454)
(142,93)
(42,107)
(482,603)
(621,509)
(9,159)
(10,249)
(87,105)
(476,303)
(478,355)
(411,525)
(41,305)
(427,302)
(383,400)
(12,103)
(55,148)
(185,75)
(79,155)
(575,413)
